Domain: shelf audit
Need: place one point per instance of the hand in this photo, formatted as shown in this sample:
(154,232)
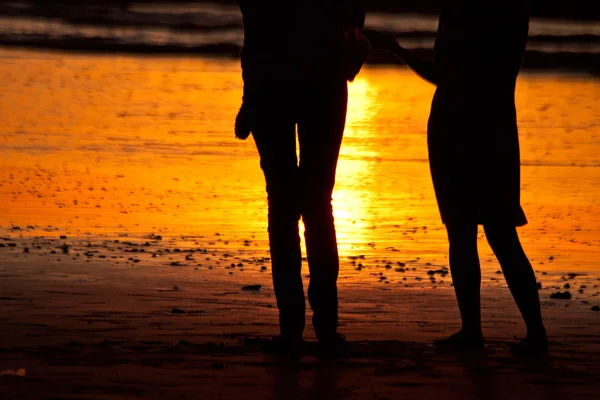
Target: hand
(243,122)
(381,41)
(356,51)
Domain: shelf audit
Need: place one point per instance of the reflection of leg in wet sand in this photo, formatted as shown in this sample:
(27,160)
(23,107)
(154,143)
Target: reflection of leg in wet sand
(315,380)
(286,381)
(325,381)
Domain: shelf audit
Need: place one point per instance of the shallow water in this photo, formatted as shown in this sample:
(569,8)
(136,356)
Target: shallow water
(98,146)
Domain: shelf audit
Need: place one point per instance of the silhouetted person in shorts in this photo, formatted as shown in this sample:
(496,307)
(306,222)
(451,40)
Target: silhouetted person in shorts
(474,152)
(297,58)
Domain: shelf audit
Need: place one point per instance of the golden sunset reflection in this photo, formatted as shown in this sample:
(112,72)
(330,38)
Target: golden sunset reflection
(126,145)
(355,166)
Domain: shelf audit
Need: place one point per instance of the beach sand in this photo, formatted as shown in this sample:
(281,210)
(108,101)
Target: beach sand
(88,325)
(132,220)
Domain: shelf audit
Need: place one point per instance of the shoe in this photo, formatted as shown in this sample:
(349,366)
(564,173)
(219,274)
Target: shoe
(529,347)
(289,347)
(333,345)
(462,341)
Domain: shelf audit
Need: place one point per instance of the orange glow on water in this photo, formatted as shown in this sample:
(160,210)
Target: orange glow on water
(101,145)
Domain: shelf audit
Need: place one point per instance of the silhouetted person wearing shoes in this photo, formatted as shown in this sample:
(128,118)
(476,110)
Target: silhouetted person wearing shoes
(474,152)
(296,61)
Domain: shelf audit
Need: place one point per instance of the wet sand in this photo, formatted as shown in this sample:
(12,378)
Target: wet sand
(142,318)
(124,245)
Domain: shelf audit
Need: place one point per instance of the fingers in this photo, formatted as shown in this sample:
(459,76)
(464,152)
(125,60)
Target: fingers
(378,40)
(242,126)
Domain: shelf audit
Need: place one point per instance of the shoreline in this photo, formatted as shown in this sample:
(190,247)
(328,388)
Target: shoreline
(534,60)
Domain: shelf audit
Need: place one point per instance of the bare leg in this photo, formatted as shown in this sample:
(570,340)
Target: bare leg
(519,276)
(466,276)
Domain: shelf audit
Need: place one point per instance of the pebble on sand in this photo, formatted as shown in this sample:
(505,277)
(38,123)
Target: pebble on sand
(558,295)
(177,311)
(595,308)
(253,288)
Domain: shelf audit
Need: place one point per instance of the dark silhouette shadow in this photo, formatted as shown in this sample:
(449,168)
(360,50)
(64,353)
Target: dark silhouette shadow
(474,152)
(313,380)
(295,72)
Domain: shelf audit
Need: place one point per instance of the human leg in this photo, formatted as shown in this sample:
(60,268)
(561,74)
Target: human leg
(320,130)
(466,277)
(275,140)
(519,275)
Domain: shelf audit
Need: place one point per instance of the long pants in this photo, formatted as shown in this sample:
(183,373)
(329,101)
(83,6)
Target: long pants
(302,188)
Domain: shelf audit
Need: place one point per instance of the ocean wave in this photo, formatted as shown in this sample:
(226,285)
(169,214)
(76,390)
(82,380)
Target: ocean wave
(535,60)
(216,30)
(212,17)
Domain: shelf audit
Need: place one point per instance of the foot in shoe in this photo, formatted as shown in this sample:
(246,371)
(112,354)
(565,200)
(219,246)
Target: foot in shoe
(283,344)
(462,340)
(333,344)
(531,346)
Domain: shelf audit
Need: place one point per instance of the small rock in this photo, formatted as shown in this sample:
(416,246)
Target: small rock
(539,285)
(567,286)
(253,288)
(177,311)
(595,308)
(558,295)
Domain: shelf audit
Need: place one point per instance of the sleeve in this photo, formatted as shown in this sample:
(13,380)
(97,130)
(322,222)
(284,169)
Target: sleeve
(247,54)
